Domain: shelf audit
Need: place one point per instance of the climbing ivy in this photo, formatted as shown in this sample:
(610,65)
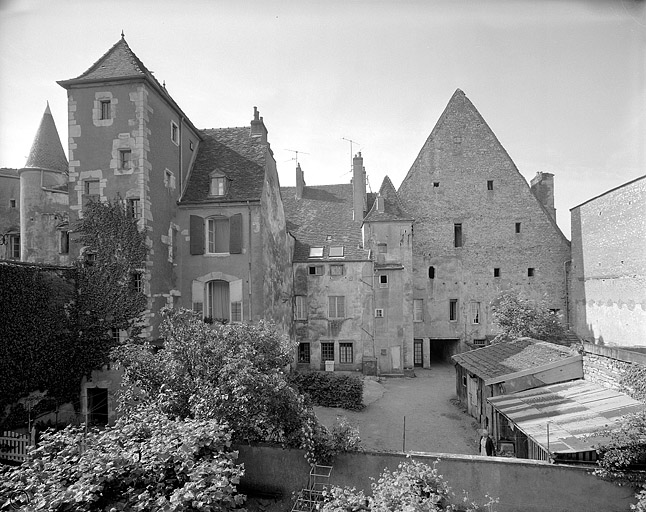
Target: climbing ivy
(57,322)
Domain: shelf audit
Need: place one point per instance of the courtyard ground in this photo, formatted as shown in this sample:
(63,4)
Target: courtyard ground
(434,420)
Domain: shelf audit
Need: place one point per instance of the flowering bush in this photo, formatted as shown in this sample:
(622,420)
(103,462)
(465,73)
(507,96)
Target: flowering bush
(413,486)
(145,462)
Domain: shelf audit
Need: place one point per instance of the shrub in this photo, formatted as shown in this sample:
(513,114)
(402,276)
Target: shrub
(330,389)
(145,462)
(412,486)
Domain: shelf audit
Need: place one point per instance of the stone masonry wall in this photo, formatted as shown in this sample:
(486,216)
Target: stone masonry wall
(607,365)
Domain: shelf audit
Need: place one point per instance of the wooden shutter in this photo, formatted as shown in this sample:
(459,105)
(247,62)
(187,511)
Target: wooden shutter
(197,234)
(235,234)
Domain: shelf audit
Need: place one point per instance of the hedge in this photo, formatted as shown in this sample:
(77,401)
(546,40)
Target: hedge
(330,389)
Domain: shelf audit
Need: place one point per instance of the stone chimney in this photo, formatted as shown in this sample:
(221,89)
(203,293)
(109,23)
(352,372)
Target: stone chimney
(258,128)
(542,186)
(358,187)
(300,182)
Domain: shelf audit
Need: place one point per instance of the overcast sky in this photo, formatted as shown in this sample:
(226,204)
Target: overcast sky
(562,84)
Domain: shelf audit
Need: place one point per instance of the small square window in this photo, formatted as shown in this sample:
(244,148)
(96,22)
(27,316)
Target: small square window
(105,109)
(382,248)
(383,281)
(304,353)
(336,270)
(453,310)
(379,313)
(436,184)
(336,252)
(316,252)
(218,185)
(125,158)
(489,184)
(12,203)
(517,227)
(89,258)
(496,272)
(134,208)
(315,270)
(174,133)
(92,187)
(530,272)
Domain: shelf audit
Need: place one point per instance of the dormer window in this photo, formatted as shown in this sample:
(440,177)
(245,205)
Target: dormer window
(316,252)
(218,185)
(336,252)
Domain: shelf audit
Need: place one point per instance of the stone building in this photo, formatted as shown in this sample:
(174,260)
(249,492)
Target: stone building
(9,214)
(479,230)
(608,275)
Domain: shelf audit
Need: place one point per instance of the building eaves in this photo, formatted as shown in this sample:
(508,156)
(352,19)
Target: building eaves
(608,192)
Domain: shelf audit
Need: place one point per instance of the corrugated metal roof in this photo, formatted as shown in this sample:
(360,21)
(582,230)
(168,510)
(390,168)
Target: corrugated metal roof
(509,357)
(575,410)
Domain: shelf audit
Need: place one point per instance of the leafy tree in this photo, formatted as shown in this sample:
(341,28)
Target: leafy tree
(517,317)
(147,461)
(234,373)
(623,454)
(412,486)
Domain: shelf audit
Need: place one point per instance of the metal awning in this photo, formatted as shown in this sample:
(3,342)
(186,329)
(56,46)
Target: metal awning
(575,411)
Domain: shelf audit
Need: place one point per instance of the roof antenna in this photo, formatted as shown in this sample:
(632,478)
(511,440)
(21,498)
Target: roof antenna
(296,156)
(351,154)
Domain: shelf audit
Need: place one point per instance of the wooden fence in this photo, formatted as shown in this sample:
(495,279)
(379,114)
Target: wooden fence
(13,446)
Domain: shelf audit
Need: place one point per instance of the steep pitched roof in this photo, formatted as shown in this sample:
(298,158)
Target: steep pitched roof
(507,357)
(121,63)
(393,208)
(47,151)
(233,153)
(322,212)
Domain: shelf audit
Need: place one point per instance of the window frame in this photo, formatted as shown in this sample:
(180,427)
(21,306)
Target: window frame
(303,355)
(64,242)
(137,281)
(334,250)
(496,272)
(125,163)
(336,299)
(383,281)
(235,311)
(316,252)
(14,246)
(327,347)
(105,109)
(517,227)
(418,307)
(458,239)
(337,269)
(222,186)
(134,205)
(453,310)
(489,184)
(531,271)
(475,313)
(318,270)
(380,313)
(210,247)
(382,248)
(346,349)
(174,133)
(300,310)
(87,187)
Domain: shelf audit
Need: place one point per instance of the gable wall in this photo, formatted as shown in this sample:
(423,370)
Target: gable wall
(488,220)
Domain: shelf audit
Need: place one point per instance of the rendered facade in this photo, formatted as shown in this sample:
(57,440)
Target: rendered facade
(608,278)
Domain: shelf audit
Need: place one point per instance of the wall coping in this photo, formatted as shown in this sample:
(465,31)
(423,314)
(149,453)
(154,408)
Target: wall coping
(618,353)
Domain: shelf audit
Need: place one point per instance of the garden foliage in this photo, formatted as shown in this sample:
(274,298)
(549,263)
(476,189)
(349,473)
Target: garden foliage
(146,461)
(233,373)
(330,389)
(518,316)
(412,486)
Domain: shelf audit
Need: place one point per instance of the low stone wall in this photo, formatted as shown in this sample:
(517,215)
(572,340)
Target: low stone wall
(520,485)
(606,365)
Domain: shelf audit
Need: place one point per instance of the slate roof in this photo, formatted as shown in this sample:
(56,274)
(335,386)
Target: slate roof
(234,153)
(47,151)
(393,208)
(120,62)
(575,410)
(504,358)
(323,211)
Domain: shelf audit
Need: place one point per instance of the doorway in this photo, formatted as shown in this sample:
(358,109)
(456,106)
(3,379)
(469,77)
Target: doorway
(97,406)
(442,349)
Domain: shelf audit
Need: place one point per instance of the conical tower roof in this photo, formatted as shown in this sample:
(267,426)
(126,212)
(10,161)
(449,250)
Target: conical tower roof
(393,208)
(47,151)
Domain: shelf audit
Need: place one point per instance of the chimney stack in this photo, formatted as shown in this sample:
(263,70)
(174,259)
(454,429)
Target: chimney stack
(358,187)
(300,182)
(542,186)
(258,128)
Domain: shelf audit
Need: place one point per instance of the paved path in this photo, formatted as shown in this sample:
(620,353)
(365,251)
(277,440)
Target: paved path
(433,422)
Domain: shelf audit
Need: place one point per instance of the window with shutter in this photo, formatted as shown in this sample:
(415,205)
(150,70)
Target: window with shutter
(197,234)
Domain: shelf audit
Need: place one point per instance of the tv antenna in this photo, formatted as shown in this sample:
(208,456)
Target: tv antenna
(296,152)
(351,153)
